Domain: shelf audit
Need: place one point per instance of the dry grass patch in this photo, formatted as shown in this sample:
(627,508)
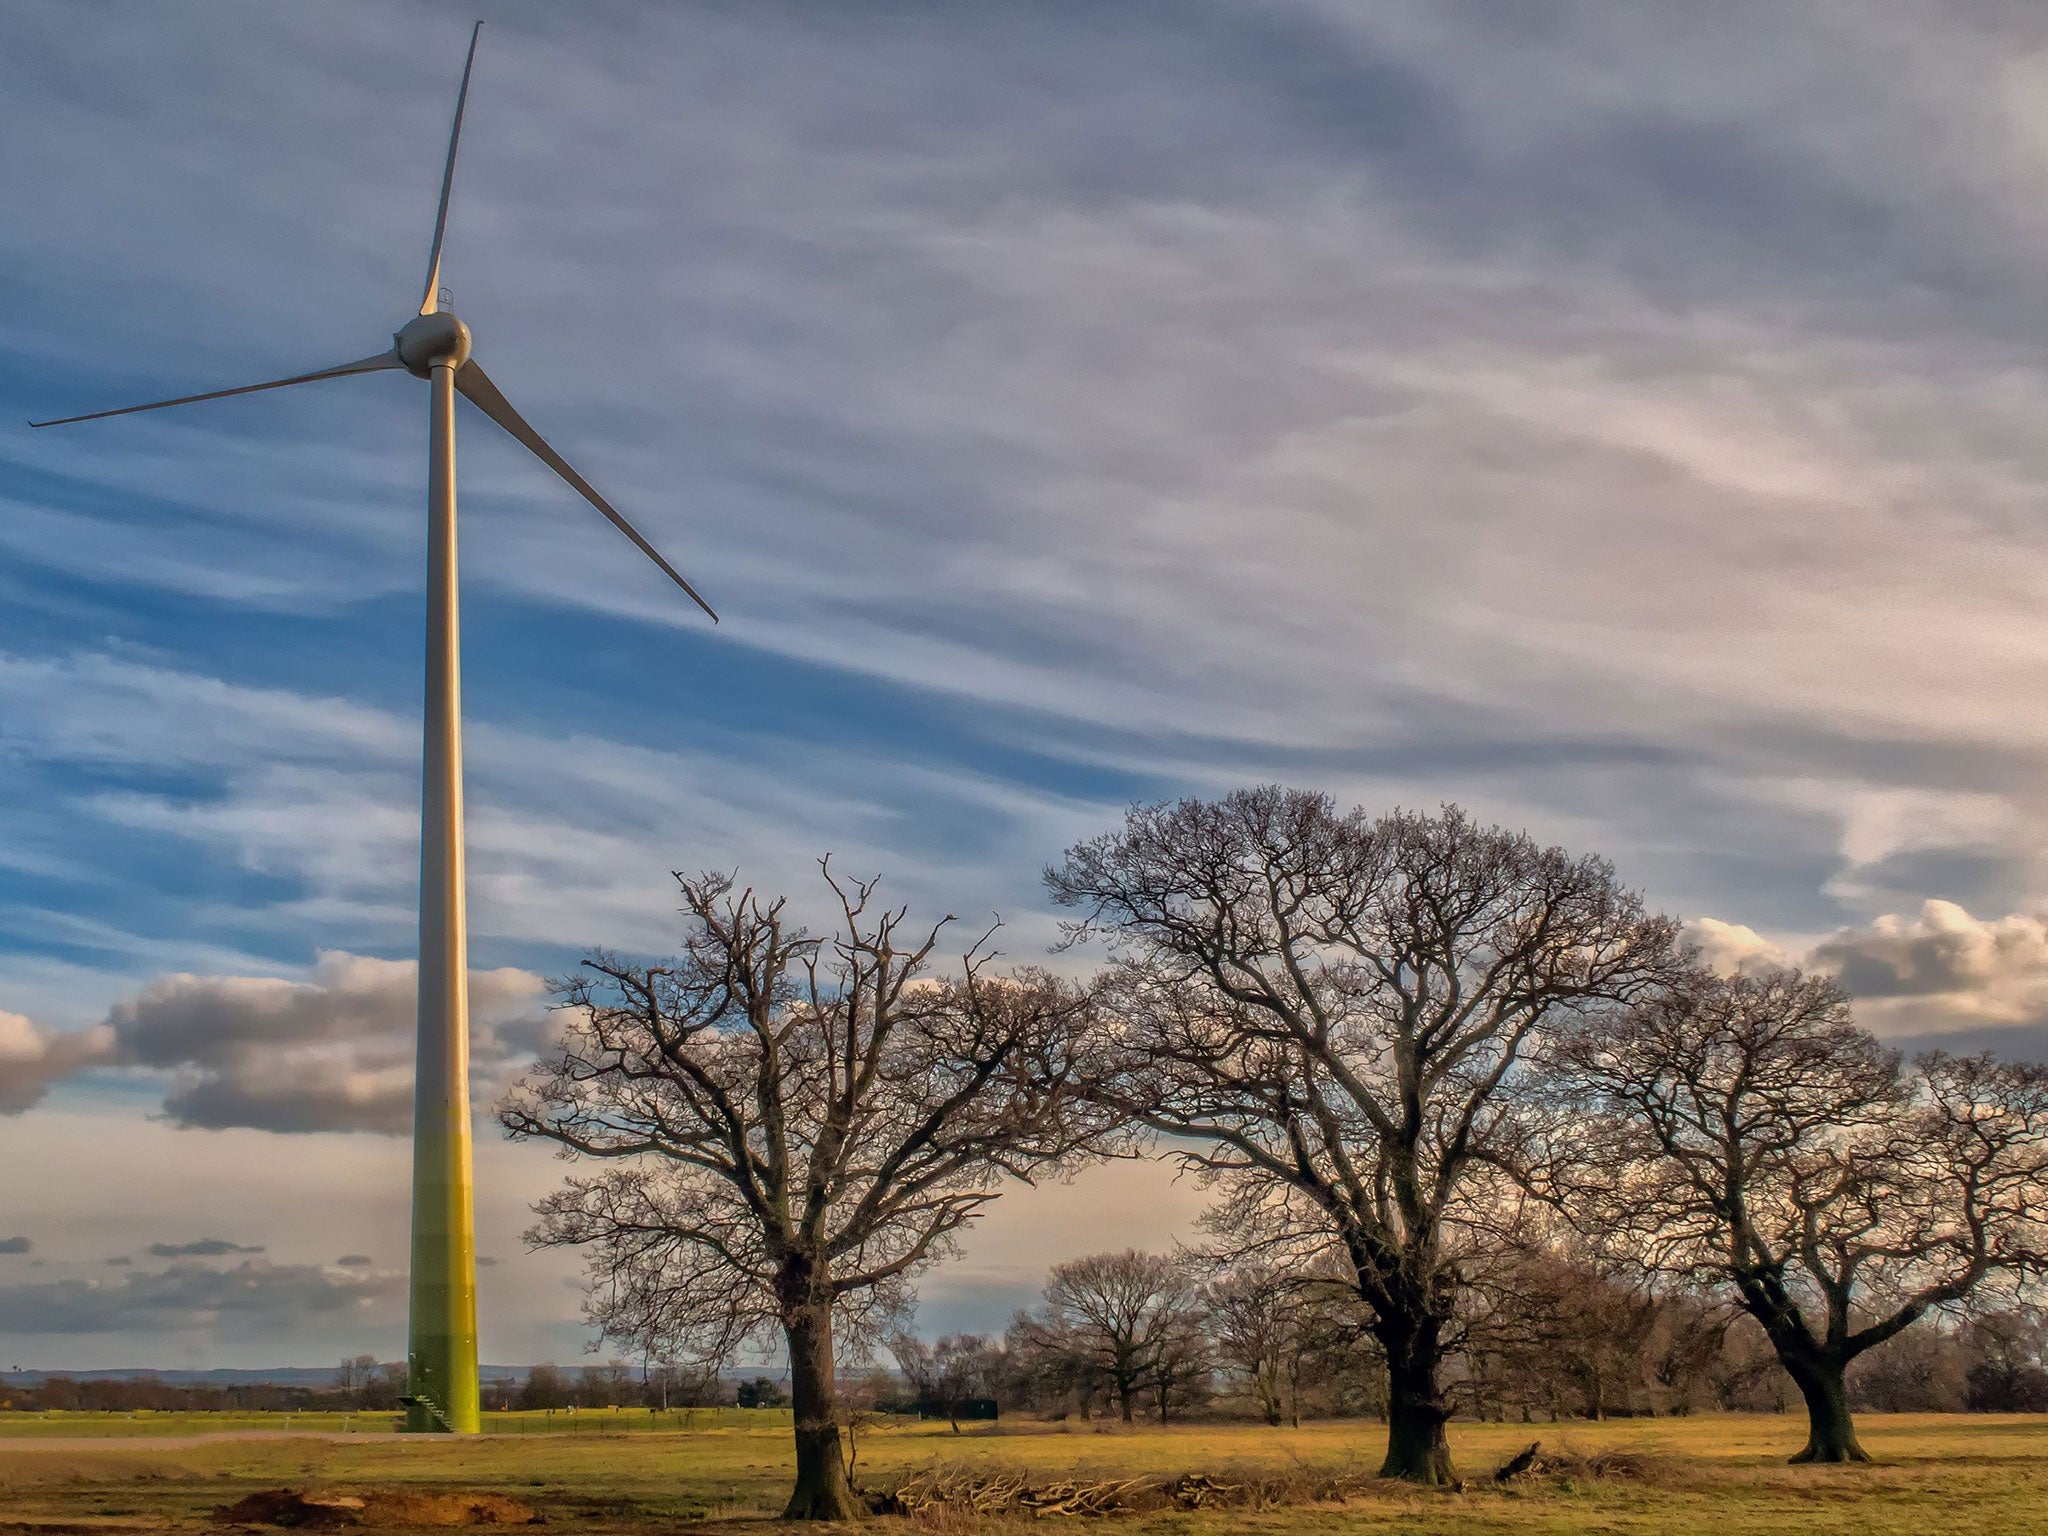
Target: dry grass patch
(1722,1475)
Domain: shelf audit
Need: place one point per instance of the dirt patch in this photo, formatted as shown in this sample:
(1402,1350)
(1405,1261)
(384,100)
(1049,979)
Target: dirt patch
(292,1507)
(323,1509)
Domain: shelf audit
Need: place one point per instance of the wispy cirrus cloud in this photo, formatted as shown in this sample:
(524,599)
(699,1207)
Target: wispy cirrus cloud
(1627,425)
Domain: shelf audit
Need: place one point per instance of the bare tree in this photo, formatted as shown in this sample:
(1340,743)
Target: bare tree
(355,1373)
(1567,1332)
(2010,1371)
(1756,1137)
(1332,1010)
(951,1374)
(605,1386)
(795,1125)
(543,1388)
(1259,1317)
(1183,1373)
(664,1384)
(1041,1371)
(1115,1317)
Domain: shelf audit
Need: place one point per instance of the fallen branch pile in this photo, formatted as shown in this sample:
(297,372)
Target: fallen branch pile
(997,1493)
(966,1491)
(957,1490)
(1568,1462)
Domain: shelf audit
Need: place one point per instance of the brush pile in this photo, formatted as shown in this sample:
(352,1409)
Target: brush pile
(1003,1493)
(953,1490)
(1570,1464)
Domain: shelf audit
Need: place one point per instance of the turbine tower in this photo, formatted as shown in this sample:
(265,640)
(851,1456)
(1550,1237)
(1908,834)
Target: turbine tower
(441,1362)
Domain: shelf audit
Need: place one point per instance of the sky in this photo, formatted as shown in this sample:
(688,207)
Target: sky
(1624,423)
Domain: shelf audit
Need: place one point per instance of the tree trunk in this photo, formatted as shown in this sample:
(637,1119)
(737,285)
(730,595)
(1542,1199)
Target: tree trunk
(1417,1448)
(822,1491)
(1831,1432)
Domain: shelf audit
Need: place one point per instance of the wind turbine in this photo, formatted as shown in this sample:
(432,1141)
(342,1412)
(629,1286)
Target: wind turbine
(441,1365)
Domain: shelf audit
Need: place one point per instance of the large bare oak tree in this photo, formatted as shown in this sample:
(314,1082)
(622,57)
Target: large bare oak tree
(1328,1011)
(793,1126)
(1756,1138)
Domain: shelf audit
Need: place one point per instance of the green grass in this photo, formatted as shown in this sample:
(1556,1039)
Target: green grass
(1725,1476)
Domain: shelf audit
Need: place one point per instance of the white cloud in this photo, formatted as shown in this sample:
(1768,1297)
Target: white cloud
(1729,948)
(96,707)
(1942,970)
(1938,974)
(31,1059)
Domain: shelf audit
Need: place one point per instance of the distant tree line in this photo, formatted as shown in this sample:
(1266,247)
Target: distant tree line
(145,1393)
(1267,1349)
(362,1383)
(1484,1134)
(1151,1339)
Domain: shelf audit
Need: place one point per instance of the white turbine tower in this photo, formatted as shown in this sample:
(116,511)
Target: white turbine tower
(435,346)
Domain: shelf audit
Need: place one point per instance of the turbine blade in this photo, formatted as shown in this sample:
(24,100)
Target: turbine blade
(430,302)
(476,384)
(375,364)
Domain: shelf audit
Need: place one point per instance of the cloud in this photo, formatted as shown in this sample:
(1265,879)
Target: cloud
(16,1245)
(570,837)
(200,1248)
(1937,977)
(1942,970)
(250,1298)
(31,1059)
(333,1053)
(2013,1042)
(1099,457)
(1731,947)
(1627,425)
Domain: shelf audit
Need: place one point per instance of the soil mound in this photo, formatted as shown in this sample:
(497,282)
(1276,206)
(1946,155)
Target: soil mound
(320,1509)
(292,1507)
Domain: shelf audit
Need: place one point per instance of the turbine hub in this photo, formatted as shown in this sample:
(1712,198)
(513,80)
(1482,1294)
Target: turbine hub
(426,340)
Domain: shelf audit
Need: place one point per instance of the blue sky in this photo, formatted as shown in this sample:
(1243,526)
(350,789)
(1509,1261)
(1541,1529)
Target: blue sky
(1626,424)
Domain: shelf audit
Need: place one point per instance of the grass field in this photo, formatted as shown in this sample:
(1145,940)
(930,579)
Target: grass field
(1986,1475)
(63,1425)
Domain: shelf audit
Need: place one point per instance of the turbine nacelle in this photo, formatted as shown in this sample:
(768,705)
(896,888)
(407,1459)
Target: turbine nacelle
(426,340)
